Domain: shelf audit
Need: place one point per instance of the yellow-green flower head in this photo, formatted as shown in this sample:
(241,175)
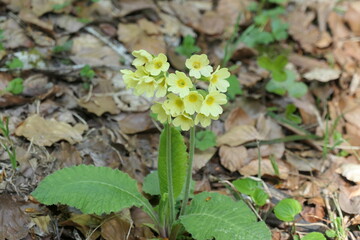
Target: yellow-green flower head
(161,87)
(146,85)
(212,102)
(199,65)
(184,121)
(179,83)
(157,65)
(204,120)
(193,102)
(175,104)
(130,78)
(162,114)
(141,58)
(217,80)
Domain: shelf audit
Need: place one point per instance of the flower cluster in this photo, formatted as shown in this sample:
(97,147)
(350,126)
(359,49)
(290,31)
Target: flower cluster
(184,106)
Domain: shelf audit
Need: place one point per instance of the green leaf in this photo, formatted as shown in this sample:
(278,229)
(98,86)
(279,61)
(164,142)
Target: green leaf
(215,216)
(178,159)
(246,185)
(294,88)
(58,7)
(259,196)
(290,114)
(91,189)
(87,72)
(187,47)
(314,236)
(278,1)
(15,86)
(63,48)
(330,233)
(234,88)
(287,209)
(279,29)
(15,63)
(151,184)
(205,139)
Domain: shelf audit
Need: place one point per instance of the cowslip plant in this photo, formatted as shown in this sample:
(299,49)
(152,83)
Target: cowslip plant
(6,143)
(182,105)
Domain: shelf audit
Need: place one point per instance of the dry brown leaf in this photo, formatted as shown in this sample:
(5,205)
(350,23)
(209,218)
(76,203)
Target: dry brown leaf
(236,117)
(233,158)
(211,24)
(87,49)
(239,135)
(40,7)
(67,22)
(322,74)
(266,169)
(350,171)
(136,122)
(84,223)
(43,223)
(202,157)
(302,29)
(67,155)
(148,27)
(99,104)
(14,221)
(129,6)
(135,38)
(303,164)
(306,63)
(352,17)
(29,17)
(44,132)
(14,35)
(229,10)
(349,199)
(116,227)
(187,12)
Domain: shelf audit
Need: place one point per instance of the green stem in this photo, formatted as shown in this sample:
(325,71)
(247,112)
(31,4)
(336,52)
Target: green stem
(169,177)
(189,171)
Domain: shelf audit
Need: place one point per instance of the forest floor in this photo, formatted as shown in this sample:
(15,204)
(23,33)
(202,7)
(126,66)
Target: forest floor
(66,104)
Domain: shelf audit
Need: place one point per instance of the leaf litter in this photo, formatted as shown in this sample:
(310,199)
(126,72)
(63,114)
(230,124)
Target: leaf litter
(62,119)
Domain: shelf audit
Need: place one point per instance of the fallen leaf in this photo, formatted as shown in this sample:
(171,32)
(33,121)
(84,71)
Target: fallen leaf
(67,22)
(322,74)
(304,164)
(349,199)
(239,135)
(29,17)
(116,227)
(14,221)
(43,223)
(84,223)
(236,117)
(14,35)
(352,17)
(350,171)
(202,157)
(87,49)
(130,6)
(233,158)
(99,104)
(40,7)
(211,24)
(306,63)
(67,155)
(136,122)
(266,169)
(44,132)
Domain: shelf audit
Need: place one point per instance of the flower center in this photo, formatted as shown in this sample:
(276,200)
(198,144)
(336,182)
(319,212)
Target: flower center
(179,103)
(210,100)
(158,64)
(214,79)
(192,98)
(196,65)
(181,83)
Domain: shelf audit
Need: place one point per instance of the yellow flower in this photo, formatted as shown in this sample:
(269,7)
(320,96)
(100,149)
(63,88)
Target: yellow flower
(193,102)
(217,80)
(157,65)
(130,78)
(162,114)
(141,57)
(175,104)
(184,121)
(161,87)
(212,102)
(146,85)
(204,120)
(179,83)
(199,65)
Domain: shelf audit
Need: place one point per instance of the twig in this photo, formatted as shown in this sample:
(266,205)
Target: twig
(119,48)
